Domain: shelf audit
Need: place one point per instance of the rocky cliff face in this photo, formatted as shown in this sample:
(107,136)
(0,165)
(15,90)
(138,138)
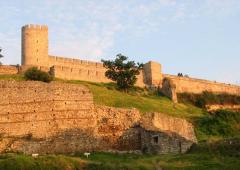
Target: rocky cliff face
(37,117)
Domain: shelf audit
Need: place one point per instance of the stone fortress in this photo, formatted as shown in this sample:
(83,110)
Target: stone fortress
(38,117)
(35,53)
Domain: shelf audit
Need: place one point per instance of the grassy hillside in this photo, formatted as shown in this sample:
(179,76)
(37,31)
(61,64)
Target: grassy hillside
(142,99)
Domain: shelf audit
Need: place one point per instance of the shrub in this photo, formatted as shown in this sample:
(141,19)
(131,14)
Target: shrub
(222,123)
(226,147)
(37,75)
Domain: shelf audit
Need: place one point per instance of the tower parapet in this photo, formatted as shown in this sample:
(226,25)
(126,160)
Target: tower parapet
(35,27)
(35,45)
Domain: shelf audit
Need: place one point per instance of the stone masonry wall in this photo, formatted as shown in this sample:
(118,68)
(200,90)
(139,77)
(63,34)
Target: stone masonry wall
(165,123)
(38,117)
(75,69)
(8,70)
(191,85)
(164,134)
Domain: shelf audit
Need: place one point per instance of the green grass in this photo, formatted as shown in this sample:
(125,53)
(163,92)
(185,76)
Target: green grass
(51,162)
(219,125)
(16,77)
(107,161)
(141,99)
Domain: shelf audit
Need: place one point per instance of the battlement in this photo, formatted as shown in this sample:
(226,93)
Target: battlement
(55,60)
(35,27)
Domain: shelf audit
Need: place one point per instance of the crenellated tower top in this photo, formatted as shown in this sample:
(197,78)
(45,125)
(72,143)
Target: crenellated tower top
(35,27)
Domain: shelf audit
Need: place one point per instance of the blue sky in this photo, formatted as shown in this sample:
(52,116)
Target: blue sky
(200,38)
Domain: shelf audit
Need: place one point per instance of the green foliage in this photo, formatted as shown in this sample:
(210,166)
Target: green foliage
(122,72)
(1,56)
(17,77)
(226,147)
(222,123)
(37,75)
(208,98)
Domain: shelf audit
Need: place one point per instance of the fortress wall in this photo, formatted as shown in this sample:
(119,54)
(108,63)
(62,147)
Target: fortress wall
(85,74)
(191,85)
(38,117)
(33,107)
(74,63)
(74,69)
(8,70)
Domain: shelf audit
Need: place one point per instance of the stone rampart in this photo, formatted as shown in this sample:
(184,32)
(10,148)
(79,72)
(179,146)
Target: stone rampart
(191,85)
(74,63)
(75,69)
(61,118)
(38,117)
(8,70)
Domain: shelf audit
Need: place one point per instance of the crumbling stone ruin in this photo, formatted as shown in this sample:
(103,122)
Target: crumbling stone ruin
(38,117)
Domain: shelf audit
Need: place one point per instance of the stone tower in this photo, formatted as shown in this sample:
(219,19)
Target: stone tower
(35,45)
(153,74)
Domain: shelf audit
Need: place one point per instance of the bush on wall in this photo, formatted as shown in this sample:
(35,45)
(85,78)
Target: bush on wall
(35,74)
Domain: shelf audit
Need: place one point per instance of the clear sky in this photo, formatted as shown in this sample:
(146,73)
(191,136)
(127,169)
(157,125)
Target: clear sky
(200,38)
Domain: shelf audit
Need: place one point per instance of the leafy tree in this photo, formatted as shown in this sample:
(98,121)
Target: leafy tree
(35,74)
(1,56)
(180,74)
(123,72)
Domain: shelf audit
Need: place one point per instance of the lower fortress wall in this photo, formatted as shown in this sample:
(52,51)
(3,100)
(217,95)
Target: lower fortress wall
(8,70)
(37,117)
